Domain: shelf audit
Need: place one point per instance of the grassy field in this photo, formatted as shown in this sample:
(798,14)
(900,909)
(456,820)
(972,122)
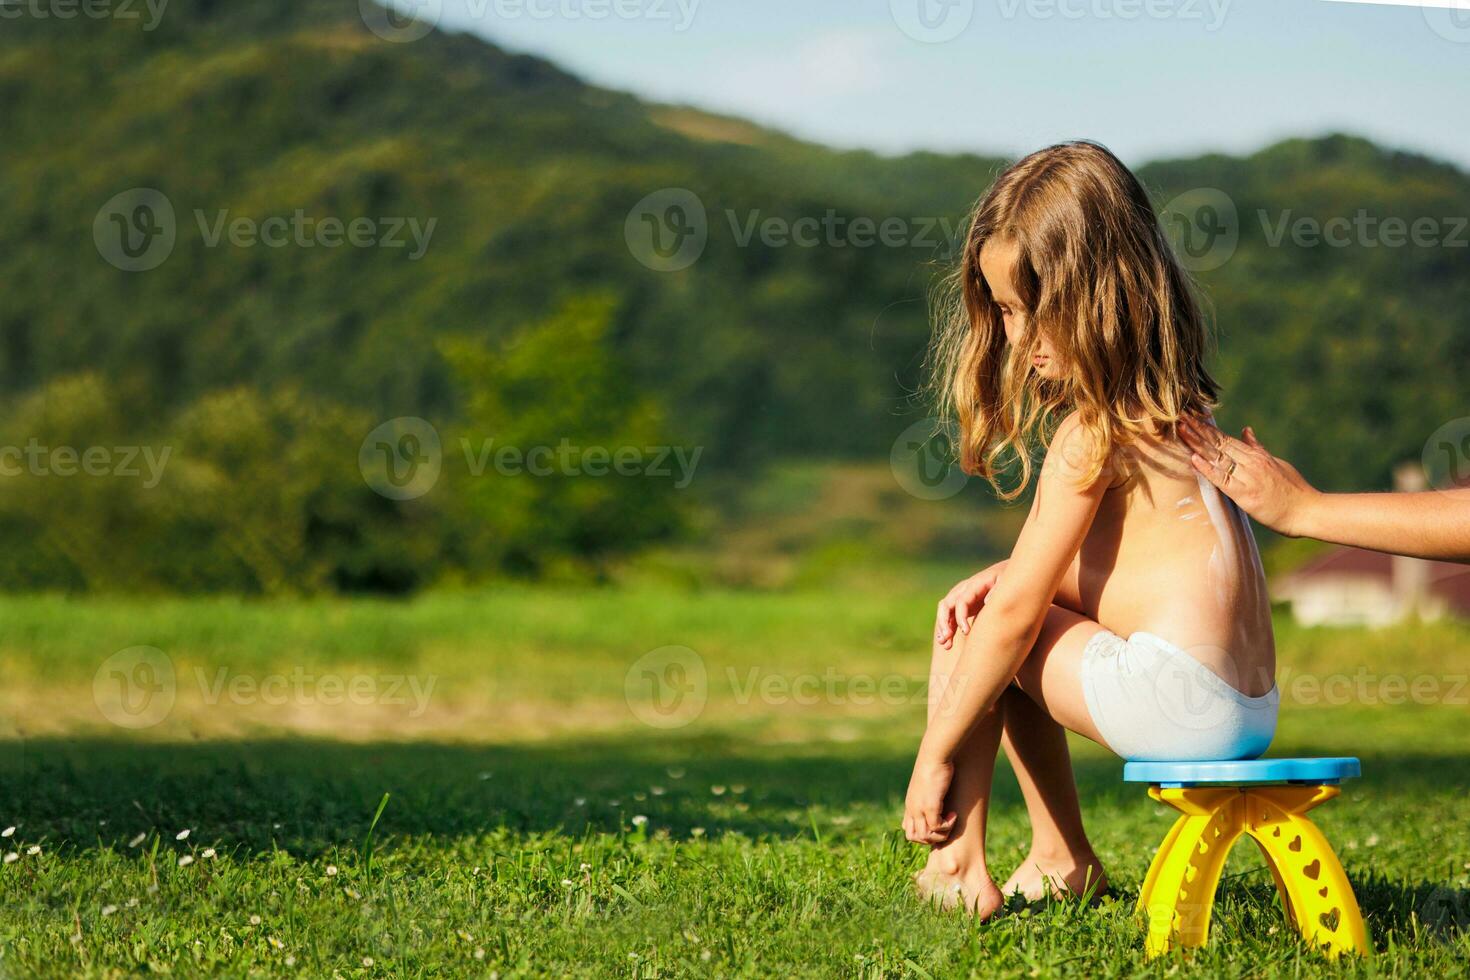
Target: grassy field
(536,823)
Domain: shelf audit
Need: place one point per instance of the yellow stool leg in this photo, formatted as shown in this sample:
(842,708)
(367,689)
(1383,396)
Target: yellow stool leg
(1156,867)
(1315,889)
(1281,888)
(1179,893)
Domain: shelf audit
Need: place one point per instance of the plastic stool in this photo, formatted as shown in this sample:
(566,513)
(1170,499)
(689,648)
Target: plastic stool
(1267,799)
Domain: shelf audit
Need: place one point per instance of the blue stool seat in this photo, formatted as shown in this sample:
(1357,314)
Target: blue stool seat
(1315,772)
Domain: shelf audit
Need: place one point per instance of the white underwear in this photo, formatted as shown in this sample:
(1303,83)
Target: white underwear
(1151,700)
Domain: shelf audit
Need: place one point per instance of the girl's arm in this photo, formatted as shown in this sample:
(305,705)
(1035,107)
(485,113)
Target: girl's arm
(963,601)
(1008,623)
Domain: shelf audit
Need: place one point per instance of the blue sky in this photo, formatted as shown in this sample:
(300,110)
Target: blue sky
(1196,75)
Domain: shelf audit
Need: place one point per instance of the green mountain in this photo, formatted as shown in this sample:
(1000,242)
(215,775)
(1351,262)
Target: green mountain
(529,175)
(497,189)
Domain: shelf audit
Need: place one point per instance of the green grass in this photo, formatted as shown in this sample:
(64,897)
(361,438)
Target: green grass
(769,846)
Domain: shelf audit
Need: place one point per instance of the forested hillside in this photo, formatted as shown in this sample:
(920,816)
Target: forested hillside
(513,189)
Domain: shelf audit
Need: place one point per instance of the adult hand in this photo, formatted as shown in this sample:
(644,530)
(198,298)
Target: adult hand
(962,603)
(924,820)
(1268,489)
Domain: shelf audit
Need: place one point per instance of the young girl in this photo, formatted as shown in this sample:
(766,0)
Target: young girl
(1133,609)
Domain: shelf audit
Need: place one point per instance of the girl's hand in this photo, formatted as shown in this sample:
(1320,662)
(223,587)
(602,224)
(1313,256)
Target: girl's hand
(1269,489)
(962,603)
(924,821)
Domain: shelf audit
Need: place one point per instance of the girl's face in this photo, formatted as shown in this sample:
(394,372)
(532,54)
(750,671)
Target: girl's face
(997,265)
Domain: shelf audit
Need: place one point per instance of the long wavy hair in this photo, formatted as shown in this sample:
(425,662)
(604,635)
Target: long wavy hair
(1099,280)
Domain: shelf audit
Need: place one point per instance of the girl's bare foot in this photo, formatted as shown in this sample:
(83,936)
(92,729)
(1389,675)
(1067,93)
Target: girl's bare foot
(948,884)
(1041,877)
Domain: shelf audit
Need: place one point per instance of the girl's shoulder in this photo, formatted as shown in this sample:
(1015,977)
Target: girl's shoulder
(1075,453)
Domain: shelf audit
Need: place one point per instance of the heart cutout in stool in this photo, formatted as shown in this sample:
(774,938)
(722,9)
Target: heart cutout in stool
(1295,845)
(1313,870)
(1330,919)
(1322,891)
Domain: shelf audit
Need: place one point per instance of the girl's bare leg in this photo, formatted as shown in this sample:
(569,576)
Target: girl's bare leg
(956,871)
(1050,696)
(1047,700)
(1061,858)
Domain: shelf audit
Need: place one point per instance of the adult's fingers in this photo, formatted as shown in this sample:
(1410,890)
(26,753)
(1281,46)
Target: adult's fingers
(1217,446)
(1208,469)
(1203,439)
(1251,440)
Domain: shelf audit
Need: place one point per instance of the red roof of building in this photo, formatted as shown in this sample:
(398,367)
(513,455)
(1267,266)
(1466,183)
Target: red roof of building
(1447,580)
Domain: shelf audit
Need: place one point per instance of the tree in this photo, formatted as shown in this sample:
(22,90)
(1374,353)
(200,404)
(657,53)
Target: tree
(562,460)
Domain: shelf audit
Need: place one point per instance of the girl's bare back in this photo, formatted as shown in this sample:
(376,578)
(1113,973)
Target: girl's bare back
(1169,555)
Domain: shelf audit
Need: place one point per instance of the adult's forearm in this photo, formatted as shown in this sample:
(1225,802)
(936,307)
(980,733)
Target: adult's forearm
(1431,524)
